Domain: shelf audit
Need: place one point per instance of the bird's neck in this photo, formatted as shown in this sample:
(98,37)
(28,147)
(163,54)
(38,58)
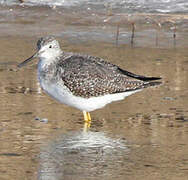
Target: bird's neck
(46,70)
(48,58)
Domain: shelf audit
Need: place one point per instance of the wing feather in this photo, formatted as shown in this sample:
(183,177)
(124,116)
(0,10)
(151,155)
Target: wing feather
(89,76)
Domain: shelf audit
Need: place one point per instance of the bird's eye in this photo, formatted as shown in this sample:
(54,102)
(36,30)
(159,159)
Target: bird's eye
(50,46)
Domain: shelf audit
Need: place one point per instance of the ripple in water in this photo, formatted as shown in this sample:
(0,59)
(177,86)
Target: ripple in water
(80,155)
(119,6)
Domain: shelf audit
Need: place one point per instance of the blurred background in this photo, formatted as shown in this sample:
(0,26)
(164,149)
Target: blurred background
(88,20)
(142,137)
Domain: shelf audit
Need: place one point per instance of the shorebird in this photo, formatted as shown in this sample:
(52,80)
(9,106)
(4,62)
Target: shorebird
(82,81)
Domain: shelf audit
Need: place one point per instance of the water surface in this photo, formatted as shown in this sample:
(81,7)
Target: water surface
(120,6)
(142,136)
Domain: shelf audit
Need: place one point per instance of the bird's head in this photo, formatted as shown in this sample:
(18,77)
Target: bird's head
(47,48)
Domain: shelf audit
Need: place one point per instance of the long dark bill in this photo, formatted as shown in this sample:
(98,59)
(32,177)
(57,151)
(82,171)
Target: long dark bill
(28,60)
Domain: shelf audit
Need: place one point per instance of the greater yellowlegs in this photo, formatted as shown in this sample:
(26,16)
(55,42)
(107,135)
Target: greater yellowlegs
(82,81)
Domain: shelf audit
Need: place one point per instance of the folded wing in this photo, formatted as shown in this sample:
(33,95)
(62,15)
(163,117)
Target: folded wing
(88,76)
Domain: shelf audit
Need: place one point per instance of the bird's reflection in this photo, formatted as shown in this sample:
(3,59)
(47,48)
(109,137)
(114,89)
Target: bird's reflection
(87,126)
(82,154)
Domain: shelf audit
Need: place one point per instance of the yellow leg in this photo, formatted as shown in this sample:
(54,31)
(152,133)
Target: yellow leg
(87,119)
(88,116)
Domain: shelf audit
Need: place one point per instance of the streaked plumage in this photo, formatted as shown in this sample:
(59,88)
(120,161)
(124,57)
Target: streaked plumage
(82,81)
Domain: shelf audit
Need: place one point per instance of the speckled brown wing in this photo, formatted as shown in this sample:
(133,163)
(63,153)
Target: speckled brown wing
(88,76)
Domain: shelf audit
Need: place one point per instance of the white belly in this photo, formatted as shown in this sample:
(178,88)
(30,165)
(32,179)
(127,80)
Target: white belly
(63,95)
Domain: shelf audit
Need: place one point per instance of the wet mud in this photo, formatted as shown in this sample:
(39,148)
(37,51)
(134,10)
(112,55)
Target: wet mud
(142,137)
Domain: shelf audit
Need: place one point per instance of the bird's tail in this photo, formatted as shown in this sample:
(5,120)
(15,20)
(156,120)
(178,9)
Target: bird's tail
(152,83)
(139,77)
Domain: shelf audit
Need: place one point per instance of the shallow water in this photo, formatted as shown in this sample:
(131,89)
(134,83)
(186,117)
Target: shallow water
(142,137)
(123,6)
(77,26)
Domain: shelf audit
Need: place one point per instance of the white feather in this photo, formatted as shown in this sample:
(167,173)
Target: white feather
(63,95)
